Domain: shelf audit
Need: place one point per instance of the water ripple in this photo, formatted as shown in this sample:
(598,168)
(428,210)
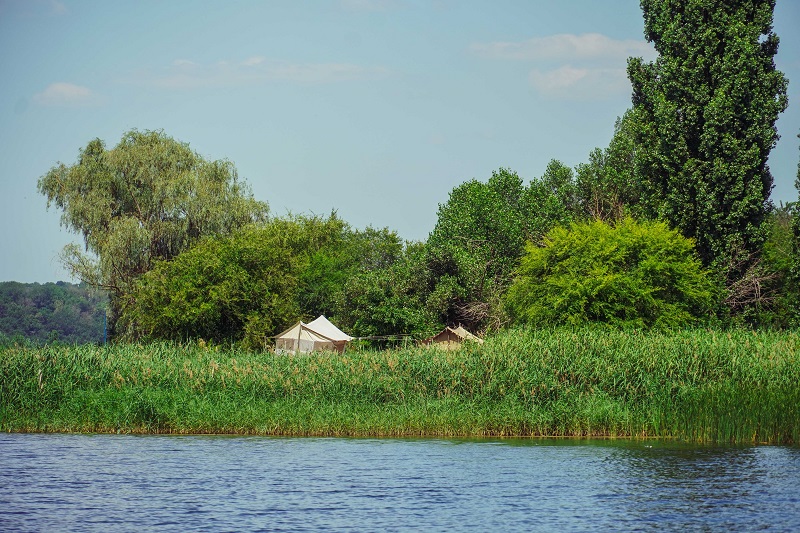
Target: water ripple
(159,483)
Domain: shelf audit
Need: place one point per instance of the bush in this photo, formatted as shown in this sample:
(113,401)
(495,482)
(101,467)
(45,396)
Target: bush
(629,275)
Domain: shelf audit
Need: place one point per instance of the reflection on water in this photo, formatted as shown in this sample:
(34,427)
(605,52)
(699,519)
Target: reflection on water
(710,488)
(129,483)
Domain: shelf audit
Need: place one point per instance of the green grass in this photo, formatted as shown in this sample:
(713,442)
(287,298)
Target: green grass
(701,386)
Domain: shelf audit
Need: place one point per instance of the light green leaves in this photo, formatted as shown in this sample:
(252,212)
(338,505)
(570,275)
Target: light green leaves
(626,275)
(147,199)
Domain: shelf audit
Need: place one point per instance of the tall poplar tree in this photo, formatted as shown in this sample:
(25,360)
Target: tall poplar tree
(707,108)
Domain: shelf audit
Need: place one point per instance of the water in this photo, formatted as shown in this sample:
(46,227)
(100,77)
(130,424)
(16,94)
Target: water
(164,483)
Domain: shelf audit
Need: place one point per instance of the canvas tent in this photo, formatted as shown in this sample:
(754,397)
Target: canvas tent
(451,338)
(317,335)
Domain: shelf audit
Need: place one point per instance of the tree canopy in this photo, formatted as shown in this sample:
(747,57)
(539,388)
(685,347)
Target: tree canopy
(251,284)
(629,275)
(609,187)
(147,199)
(480,235)
(706,111)
(48,312)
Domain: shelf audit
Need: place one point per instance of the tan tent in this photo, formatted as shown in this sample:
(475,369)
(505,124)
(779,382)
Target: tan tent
(451,338)
(317,335)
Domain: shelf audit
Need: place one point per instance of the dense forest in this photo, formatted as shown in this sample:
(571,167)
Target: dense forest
(669,226)
(50,312)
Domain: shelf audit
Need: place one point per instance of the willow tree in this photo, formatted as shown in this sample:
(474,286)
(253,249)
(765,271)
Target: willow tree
(707,109)
(147,199)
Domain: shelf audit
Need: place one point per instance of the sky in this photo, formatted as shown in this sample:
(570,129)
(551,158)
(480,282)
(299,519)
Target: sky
(376,109)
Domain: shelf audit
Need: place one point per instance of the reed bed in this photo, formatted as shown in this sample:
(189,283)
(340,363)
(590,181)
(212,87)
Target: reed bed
(700,386)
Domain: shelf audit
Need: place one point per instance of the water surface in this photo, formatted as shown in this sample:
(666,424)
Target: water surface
(196,483)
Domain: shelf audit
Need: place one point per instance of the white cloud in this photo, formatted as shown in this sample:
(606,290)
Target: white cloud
(558,79)
(566,47)
(367,5)
(64,94)
(253,61)
(568,66)
(571,83)
(185,74)
(57,7)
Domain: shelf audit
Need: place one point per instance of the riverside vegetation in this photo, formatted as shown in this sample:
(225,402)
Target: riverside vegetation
(666,232)
(700,386)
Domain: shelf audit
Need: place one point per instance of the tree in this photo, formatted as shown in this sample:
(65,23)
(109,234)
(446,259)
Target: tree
(147,199)
(708,106)
(480,235)
(250,285)
(390,300)
(770,295)
(550,201)
(793,284)
(608,186)
(626,275)
(51,312)
(244,286)
(796,228)
(347,252)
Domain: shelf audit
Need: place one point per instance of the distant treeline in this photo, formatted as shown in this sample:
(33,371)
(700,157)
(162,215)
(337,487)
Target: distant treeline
(50,312)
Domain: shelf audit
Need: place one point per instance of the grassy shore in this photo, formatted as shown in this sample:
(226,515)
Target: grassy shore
(701,386)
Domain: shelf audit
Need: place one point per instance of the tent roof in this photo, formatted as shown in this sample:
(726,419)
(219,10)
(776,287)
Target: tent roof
(323,326)
(464,334)
(459,332)
(320,329)
(301,331)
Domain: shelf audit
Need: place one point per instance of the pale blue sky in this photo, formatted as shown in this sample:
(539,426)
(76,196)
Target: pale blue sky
(375,108)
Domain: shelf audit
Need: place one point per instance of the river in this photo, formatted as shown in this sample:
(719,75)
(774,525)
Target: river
(211,483)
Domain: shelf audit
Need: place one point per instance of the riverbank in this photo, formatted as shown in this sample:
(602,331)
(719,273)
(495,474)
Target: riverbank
(700,386)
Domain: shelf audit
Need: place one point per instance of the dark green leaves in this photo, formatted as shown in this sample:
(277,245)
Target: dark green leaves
(706,112)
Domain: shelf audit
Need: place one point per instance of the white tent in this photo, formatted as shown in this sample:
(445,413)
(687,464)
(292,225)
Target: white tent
(451,338)
(317,335)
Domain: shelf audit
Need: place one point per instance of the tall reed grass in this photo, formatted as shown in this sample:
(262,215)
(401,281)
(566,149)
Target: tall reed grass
(702,386)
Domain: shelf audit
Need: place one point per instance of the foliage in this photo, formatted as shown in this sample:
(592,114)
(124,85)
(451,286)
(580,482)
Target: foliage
(391,300)
(706,110)
(480,235)
(245,286)
(774,294)
(608,186)
(50,312)
(793,276)
(796,231)
(696,385)
(550,201)
(252,284)
(779,284)
(628,275)
(147,199)
(346,252)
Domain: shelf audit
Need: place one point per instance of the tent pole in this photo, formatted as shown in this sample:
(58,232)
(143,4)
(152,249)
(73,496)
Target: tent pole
(299,331)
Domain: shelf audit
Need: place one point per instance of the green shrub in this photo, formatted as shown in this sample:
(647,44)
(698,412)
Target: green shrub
(630,274)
